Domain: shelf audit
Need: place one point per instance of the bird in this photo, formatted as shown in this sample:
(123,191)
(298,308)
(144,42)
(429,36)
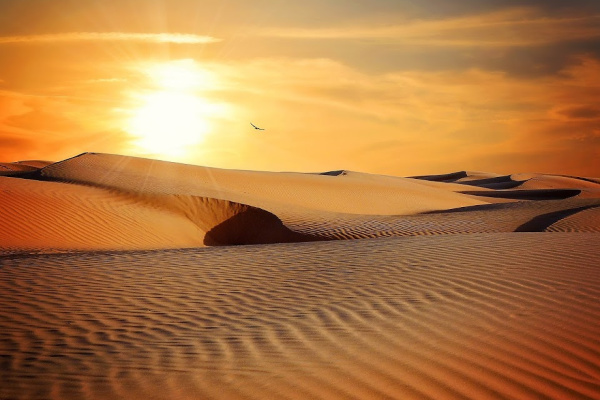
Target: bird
(256,127)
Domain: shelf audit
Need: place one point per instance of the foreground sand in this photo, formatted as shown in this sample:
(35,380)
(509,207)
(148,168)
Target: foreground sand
(118,281)
(480,316)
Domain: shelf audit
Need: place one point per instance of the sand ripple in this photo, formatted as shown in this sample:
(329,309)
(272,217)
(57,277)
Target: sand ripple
(531,216)
(483,316)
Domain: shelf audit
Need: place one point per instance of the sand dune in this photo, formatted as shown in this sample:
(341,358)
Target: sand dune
(352,193)
(459,176)
(587,220)
(34,163)
(520,180)
(51,215)
(56,215)
(15,168)
(530,216)
(99,201)
(118,280)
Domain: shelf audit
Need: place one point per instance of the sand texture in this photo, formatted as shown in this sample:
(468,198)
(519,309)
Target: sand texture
(120,278)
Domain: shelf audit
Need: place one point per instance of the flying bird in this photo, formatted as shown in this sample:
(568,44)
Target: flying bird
(256,127)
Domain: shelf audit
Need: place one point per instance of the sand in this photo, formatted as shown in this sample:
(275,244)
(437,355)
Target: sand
(120,279)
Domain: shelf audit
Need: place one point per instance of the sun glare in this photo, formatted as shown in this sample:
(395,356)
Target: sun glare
(182,75)
(176,114)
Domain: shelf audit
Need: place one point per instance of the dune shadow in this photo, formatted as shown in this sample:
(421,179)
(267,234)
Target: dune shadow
(542,194)
(451,177)
(478,207)
(335,173)
(499,182)
(254,226)
(542,222)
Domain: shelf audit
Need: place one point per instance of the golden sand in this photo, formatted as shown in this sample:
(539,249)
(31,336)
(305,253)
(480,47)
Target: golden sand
(119,280)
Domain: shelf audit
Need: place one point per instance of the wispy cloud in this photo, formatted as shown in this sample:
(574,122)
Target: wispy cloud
(507,28)
(410,121)
(178,38)
(54,127)
(585,112)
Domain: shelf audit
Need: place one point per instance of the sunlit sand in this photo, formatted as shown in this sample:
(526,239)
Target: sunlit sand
(132,278)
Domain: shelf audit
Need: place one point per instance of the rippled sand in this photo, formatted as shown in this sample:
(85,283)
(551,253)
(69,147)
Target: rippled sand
(119,279)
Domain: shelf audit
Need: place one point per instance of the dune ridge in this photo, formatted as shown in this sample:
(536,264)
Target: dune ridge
(229,223)
(532,216)
(370,194)
(21,167)
(521,181)
(587,220)
(100,201)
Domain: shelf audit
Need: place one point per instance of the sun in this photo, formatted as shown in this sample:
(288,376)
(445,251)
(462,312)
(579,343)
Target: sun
(175,115)
(168,122)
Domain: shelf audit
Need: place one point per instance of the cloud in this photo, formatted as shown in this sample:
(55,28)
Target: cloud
(7,140)
(411,122)
(52,127)
(515,27)
(322,114)
(177,38)
(580,112)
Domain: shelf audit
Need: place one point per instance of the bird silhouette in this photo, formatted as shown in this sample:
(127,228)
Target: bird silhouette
(256,127)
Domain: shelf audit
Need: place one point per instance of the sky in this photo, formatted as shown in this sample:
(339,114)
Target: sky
(394,87)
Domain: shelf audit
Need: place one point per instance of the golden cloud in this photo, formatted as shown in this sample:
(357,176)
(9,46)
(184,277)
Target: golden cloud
(507,28)
(401,123)
(408,122)
(177,38)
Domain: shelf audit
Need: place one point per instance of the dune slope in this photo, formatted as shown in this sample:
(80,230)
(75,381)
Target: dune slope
(101,201)
(351,193)
(60,216)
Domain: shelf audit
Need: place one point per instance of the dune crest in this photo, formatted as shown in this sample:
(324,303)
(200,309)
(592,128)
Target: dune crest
(354,193)
(228,223)
(22,167)
(55,215)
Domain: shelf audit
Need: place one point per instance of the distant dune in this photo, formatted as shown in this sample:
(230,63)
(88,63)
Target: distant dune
(131,278)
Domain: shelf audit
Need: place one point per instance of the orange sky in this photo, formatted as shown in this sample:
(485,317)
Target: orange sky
(383,86)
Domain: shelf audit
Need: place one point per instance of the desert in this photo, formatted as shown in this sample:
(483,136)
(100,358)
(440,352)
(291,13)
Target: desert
(134,278)
(316,199)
